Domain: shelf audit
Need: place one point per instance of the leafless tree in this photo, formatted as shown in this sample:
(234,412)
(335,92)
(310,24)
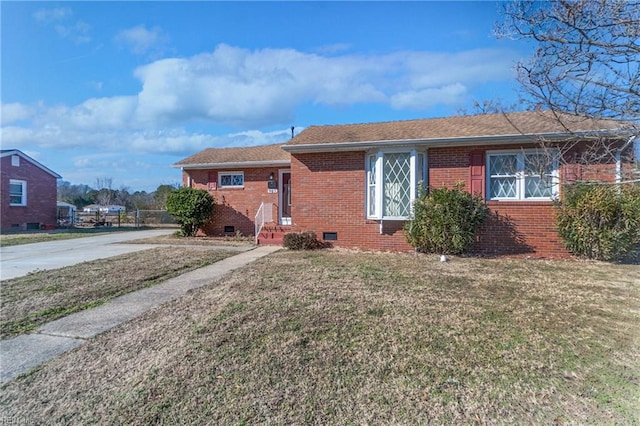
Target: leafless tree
(586,63)
(105,194)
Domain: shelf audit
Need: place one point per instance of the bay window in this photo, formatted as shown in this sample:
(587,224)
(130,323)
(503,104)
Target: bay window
(393,179)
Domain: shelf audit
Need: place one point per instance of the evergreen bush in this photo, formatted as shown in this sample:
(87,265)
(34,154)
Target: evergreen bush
(599,221)
(445,221)
(191,208)
(302,241)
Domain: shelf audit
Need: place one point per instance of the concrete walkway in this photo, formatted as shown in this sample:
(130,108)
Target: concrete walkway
(20,354)
(19,260)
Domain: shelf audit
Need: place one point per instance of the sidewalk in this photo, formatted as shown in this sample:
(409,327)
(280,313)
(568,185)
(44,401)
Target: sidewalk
(22,353)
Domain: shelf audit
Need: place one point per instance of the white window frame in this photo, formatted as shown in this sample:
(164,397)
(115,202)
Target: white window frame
(15,160)
(520,175)
(417,178)
(221,174)
(23,184)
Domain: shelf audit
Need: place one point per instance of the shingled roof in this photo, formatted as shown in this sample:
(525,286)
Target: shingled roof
(261,155)
(447,129)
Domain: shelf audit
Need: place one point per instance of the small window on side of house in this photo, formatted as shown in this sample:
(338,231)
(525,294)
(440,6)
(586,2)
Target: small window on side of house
(231,180)
(17,192)
(15,160)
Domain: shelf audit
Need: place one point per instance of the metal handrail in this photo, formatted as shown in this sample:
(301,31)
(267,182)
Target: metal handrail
(263,215)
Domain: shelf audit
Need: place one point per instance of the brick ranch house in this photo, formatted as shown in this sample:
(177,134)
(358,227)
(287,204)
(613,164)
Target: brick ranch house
(354,185)
(29,193)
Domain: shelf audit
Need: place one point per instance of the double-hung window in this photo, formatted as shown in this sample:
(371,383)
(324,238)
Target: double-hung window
(393,180)
(17,192)
(231,179)
(522,175)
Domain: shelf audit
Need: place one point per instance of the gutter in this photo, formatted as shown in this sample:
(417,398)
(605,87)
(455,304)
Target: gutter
(234,165)
(438,142)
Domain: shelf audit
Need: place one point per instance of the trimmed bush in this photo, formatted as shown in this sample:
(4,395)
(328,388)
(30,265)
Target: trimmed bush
(191,208)
(599,221)
(445,221)
(302,241)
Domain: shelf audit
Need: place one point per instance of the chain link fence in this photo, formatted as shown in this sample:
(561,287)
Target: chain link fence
(135,218)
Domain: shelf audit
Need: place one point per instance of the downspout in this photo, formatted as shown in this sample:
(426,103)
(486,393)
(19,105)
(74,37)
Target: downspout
(619,158)
(381,227)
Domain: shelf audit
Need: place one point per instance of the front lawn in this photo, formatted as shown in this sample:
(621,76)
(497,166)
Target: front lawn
(42,296)
(339,337)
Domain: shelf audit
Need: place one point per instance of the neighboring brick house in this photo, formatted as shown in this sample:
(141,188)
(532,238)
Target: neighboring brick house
(354,185)
(29,193)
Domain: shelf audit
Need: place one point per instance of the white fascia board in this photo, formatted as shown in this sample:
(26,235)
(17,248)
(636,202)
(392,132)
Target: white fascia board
(32,161)
(236,165)
(439,142)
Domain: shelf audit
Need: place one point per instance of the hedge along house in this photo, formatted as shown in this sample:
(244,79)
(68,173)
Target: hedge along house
(245,183)
(29,193)
(354,185)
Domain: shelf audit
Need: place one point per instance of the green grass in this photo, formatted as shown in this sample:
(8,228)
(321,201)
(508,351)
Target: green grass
(335,337)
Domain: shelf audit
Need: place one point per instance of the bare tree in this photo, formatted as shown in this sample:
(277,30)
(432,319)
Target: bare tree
(586,64)
(105,194)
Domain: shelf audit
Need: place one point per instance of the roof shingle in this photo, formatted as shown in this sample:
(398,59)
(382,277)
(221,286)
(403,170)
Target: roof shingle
(261,154)
(530,122)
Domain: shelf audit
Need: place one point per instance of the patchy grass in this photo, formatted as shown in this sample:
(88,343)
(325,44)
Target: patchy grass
(336,337)
(172,239)
(30,301)
(27,237)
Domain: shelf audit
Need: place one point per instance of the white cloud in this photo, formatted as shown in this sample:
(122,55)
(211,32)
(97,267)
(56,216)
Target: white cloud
(253,88)
(10,113)
(250,90)
(140,39)
(93,114)
(422,99)
(172,141)
(52,15)
(78,31)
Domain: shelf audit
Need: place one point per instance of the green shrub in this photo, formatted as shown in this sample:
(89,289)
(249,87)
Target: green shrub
(599,221)
(302,241)
(191,208)
(445,221)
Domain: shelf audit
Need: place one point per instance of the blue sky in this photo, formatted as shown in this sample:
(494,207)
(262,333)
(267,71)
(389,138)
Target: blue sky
(126,89)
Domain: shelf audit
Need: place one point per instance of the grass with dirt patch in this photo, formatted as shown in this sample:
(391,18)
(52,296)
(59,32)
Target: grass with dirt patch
(337,337)
(173,239)
(42,296)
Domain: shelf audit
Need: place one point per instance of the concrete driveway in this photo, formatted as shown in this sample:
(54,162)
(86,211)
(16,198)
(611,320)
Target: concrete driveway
(17,261)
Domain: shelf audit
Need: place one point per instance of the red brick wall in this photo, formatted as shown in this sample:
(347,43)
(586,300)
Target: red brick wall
(41,195)
(235,206)
(329,196)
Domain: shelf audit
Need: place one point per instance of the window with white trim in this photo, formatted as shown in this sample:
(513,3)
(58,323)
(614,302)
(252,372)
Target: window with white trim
(231,179)
(17,192)
(522,175)
(393,180)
